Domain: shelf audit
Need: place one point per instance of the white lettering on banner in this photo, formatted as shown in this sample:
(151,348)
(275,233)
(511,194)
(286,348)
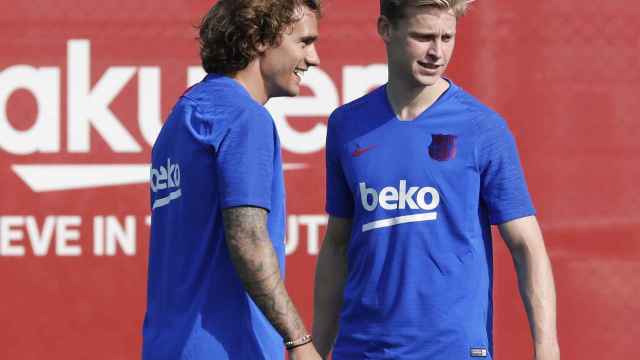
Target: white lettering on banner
(51,177)
(44,135)
(149,117)
(67,231)
(313,224)
(43,178)
(88,109)
(40,241)
(359,80)
(109,235)
(392,198)
(116,235)
(98,235)
(9,235)
(194,75)
(293,234)
(65,228)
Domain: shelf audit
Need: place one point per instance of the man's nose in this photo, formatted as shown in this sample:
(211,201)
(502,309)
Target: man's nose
(312,58)
(435,50)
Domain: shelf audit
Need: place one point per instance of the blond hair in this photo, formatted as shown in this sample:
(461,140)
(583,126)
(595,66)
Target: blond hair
(395,9)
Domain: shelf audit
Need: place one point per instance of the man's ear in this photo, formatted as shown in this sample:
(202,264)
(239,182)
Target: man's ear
(384,28)
(261,47)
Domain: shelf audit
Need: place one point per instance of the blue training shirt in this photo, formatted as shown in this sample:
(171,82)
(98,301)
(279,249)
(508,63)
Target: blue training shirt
(422,195)
(218,149)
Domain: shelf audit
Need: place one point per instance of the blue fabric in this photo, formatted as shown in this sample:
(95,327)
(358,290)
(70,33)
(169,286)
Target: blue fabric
(422,195)
(218,149)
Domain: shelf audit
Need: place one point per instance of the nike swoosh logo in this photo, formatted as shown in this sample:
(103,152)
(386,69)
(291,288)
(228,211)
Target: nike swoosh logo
(361,150)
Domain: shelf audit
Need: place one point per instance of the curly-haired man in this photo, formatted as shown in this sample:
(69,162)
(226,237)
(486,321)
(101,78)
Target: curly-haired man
(216,257)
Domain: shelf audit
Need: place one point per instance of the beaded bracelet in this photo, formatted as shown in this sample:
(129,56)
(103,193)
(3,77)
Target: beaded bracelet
(292,344)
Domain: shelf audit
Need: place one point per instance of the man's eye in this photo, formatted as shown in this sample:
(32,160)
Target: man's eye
(423,38)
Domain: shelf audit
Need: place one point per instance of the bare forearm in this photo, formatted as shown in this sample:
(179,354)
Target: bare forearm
(331,273)
(257,265)
(537,289)
(329,285)
(535,282)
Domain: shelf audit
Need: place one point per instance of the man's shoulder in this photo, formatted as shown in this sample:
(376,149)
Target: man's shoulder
(361,106)
(481,115)
(223,101)
(210,112)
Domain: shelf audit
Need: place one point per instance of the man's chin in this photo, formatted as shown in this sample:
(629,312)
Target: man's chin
(287,93)
(293,91)
(429,80)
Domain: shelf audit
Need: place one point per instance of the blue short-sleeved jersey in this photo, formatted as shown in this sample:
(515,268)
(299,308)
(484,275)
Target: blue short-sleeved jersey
(422,195)
(218,149)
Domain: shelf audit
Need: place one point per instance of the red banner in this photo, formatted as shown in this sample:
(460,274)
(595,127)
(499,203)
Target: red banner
(85,86)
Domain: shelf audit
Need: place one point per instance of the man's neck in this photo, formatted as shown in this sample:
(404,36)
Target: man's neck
(251,79)
(409,102)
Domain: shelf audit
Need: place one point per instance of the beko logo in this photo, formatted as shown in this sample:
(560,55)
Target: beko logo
(88,102)
(392,198)
(164,178)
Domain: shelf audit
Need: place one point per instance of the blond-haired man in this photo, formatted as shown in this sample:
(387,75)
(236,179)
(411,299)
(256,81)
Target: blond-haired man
(417,172)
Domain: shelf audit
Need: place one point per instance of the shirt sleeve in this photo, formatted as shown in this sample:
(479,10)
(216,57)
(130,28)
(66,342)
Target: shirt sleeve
(339,201)
(245,161)
(503,188)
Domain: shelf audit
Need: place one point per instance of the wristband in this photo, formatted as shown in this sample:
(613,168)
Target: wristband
(292,344)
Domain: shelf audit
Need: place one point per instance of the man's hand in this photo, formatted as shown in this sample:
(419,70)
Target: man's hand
(304,352)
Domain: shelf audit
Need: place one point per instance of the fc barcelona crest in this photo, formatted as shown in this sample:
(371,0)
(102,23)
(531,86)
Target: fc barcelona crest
(443,147)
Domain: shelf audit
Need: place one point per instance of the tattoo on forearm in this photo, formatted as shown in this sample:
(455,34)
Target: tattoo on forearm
(257,265)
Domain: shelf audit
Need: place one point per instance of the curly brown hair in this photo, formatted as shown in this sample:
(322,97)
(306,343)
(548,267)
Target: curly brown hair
(232,29)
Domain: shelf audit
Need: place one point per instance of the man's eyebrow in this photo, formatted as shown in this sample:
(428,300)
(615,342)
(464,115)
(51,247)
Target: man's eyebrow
(309,38)
(431,33)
